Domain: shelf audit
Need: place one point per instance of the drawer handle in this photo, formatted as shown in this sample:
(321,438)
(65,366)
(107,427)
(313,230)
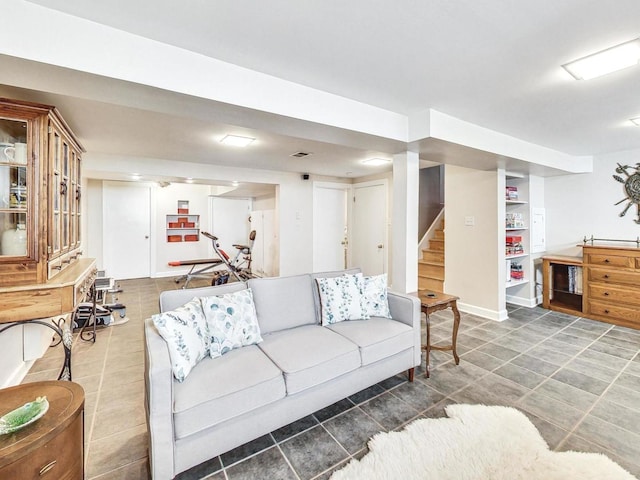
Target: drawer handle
(606,311)
(605,276)
(606,294)
(47,467)
(606,260)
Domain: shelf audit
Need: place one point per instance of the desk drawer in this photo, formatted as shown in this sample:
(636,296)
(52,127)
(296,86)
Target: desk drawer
(611,260)
(613,276)
(614,294)
(59,459)
(615,314)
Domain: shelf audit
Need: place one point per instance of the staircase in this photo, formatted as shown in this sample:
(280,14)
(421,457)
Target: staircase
(431,267)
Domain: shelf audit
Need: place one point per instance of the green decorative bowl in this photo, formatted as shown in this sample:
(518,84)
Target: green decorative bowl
(24,415)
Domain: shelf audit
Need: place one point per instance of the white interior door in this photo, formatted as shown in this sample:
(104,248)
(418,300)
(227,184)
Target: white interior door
(369,227)
(126,226)
(230,222)
(329,226)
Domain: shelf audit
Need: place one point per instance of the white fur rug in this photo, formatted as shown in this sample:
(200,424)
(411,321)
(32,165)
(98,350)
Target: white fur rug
(476,442)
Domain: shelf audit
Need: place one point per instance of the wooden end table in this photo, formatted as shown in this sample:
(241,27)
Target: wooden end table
(431,302)
(51,447)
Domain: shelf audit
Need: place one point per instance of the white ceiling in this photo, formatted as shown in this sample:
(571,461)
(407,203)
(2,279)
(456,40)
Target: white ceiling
(489,62)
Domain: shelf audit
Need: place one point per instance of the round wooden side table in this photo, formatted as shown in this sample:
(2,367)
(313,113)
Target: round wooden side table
(51,447)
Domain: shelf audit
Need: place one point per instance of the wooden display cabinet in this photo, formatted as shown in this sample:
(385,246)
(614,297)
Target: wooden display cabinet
(41,274)
(40,184)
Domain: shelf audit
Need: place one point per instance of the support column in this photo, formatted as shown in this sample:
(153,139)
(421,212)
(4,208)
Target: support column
(404,222)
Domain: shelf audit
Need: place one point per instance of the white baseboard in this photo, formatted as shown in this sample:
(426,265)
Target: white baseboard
(522,302)
(497,315)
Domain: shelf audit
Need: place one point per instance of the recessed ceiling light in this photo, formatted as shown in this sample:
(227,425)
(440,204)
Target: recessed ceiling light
(636,121)
(374,162)
(606,61)
(236,140)
(135,176)
(234,183)
(189,180)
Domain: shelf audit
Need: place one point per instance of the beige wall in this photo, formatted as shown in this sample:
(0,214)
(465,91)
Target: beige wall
(471,261)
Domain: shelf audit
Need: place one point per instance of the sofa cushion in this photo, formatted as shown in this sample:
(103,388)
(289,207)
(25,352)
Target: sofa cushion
(310,355)
(283,302)
(222,388)
(341,298)
(377,338)
(231,321)
(186,333)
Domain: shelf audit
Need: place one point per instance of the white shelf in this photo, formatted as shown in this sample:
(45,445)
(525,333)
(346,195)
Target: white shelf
(514,229)
(516,202)
(519,255)
(515,283)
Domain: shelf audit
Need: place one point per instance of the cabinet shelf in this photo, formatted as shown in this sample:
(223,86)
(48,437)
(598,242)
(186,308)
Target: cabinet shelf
(516,202)
(515,229)
(515,283)
(519,255)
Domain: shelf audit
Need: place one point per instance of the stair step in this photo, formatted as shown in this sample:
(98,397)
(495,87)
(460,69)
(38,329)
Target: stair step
(431,270)
(433,256)
(430,284)
(436,244)
(438,234)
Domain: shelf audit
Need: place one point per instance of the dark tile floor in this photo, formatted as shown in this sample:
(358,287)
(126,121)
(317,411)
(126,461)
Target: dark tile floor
(578,381)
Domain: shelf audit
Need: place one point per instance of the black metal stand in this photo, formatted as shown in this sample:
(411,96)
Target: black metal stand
(90,335)
(64,333)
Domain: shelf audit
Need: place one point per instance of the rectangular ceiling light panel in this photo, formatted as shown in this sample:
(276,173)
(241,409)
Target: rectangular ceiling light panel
(606,61)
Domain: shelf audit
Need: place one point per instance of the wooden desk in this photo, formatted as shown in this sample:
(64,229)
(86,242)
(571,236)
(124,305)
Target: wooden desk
(51,447)
(432,302)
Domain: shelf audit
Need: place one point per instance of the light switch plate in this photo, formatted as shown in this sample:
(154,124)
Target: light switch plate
(469,221)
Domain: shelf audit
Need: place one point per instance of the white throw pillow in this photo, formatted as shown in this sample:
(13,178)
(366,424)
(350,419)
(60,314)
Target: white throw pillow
(231,320)
(341,298)
(185,331)
(376,303)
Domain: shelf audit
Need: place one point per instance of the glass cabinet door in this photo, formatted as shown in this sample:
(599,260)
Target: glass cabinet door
(15,188)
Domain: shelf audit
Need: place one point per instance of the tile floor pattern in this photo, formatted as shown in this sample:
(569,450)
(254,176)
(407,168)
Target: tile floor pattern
(577,379)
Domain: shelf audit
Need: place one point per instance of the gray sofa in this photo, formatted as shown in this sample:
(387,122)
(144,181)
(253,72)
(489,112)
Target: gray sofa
(298,368)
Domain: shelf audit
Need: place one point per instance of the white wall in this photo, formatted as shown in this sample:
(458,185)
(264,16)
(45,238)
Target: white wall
(471,261)
(579,205)
(165,202)
(265,202)
(294,198)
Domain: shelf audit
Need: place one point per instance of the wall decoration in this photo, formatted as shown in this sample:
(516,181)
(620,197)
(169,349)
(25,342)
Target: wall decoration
(631,183)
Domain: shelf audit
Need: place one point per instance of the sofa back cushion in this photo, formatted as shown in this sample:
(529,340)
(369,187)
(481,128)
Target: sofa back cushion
(284,302)
(172,299)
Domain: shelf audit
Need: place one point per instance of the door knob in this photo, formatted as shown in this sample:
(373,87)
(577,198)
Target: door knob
(380,245)
(146,236)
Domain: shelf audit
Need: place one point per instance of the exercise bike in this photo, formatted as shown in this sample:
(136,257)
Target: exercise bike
(239,267)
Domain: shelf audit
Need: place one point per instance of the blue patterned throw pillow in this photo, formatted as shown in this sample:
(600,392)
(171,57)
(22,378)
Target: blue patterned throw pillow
(185,331)
(231,320)
(341,298)
(376,303)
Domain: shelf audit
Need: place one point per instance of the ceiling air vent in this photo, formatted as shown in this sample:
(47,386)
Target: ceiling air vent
(301,154)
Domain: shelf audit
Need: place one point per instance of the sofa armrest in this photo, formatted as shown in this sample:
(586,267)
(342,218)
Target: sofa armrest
(406,309)
(158,403)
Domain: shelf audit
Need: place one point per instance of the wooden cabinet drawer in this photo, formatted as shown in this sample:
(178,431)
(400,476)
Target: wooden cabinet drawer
(613,276)
(59,459)
(611,260)
(614,294)
(615,314)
